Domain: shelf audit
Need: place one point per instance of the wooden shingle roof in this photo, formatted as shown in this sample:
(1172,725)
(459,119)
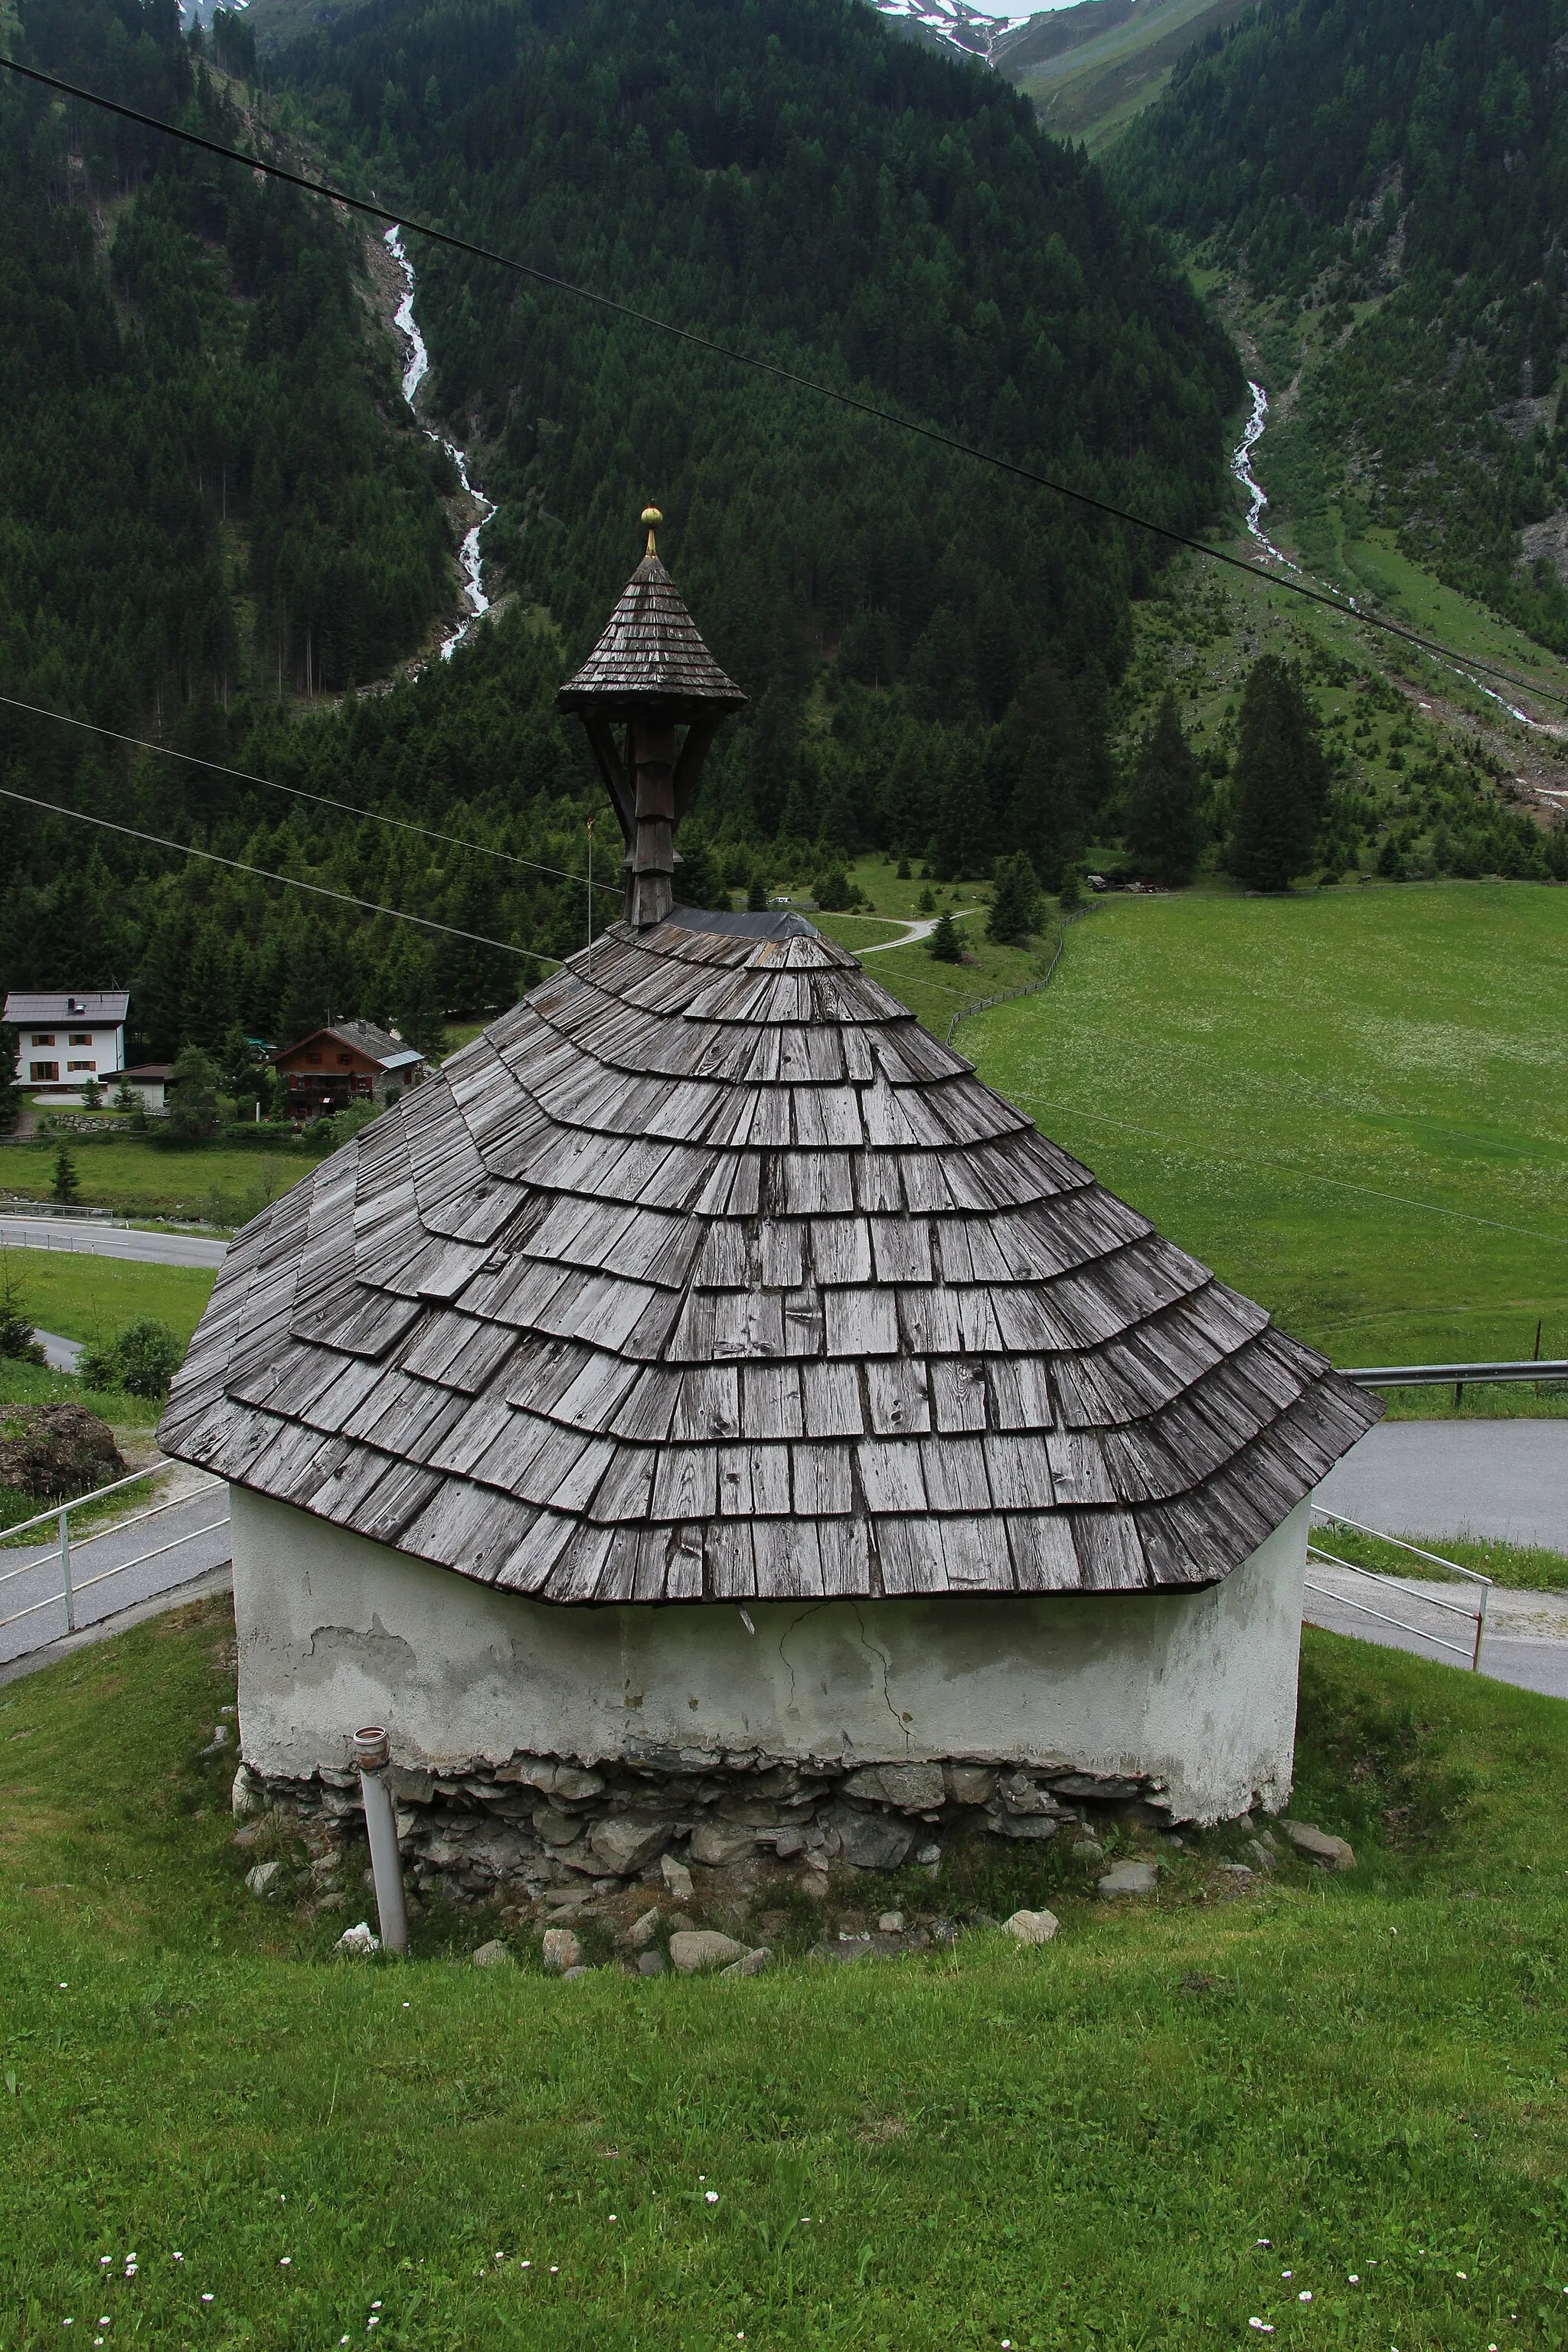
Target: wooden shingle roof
(705,1273)
(650,651)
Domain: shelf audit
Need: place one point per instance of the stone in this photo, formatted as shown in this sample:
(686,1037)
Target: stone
(493,1955)
(1261,1858)
(579,1969)
(785,1843)
(1130,1878)
(677,1878)
(1019,1794)
(1032,1927)
(911,1788)
(891,1923)
(247,1797)
(719,1844)
(264,1878)
(971,1784)
(871,1840)
(1238,1871)
(703,1947)
(1085,1784)
(625,1846)
(1038,1826)
(651,1964)
(1088,1849)
(1320,1845)
(556,1828)
(930,1856)
(750,1964)
(572,1782)
(643,1930)
(358,1943)
(561,1950)
(57,1450)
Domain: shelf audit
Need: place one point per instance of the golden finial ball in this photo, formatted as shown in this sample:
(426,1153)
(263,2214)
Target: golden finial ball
(651,516)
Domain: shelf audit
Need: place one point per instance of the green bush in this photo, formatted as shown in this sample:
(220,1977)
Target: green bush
(142,1360)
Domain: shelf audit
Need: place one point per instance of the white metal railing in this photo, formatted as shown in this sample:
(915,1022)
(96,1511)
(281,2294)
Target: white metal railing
(1470,1649)
(60,1516)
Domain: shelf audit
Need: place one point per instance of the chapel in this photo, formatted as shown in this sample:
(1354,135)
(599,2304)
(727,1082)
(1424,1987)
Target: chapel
(704,1419)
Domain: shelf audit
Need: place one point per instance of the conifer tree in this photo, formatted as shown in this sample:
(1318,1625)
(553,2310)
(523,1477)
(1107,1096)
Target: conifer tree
(1281,781)
(192,1104)
(66,1188)
(945,943)
(1016,907)
(1164,803)
(414,1001)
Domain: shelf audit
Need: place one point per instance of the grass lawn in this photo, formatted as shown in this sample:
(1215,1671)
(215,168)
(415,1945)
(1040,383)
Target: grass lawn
(1125,2140)
(1353,1104)
(220,1183)
(86,1297)
(1523,1567)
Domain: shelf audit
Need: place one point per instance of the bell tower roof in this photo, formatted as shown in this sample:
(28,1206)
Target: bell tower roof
(651,654)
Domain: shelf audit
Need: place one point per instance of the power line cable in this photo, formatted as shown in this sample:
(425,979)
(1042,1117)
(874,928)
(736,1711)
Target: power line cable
(787,375)
(325,800)
(289,881)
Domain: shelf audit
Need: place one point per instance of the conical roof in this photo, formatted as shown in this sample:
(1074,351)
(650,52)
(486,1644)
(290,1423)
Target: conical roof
(651,652)
(704,1274)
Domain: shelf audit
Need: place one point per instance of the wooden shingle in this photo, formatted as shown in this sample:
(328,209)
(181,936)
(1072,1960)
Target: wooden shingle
(704,1274)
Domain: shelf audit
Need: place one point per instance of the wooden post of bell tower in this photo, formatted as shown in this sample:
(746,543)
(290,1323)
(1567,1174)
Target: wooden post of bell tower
(651,670)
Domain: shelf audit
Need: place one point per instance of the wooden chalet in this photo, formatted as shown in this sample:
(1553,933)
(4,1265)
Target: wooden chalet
(706,1277)
(353,1061)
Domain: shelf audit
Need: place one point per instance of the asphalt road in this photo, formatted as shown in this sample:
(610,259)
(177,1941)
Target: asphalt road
(1506,1479)
(1525,1641)
(187,1540)
(112,1240)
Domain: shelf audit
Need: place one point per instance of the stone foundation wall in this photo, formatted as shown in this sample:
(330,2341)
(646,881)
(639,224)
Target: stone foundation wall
(543,1822)
(679,1710)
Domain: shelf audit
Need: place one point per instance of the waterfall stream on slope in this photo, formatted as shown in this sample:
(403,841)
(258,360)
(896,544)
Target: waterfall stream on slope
(417,368)
(1257,499)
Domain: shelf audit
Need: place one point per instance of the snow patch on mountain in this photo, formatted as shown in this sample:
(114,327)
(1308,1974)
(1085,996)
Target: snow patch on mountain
(976,31)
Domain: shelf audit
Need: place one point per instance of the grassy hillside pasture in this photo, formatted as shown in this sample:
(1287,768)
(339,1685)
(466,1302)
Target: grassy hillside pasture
(1127,2139)
(1093,89)
(1352,1104)
(221,1183)
(85,1297)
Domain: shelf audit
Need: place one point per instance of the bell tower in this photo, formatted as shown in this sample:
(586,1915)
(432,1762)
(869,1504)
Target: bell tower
(651,676)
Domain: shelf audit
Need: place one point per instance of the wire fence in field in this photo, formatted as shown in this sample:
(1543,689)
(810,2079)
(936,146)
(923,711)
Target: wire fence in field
(1032,988)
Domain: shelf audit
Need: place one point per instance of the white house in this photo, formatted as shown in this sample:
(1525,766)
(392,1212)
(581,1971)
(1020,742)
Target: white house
(64,1039)
(705,1417)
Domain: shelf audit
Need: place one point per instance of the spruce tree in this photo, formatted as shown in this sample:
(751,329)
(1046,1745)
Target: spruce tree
(1281,781)
(64,1188)
(945,943)
(193,1097)
(1164,803)
(414,1000)
(1014,909)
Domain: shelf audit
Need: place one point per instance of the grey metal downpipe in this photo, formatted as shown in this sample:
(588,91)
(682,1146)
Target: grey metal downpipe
(373,1754)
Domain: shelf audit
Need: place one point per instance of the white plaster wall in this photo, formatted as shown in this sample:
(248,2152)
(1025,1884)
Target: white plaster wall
(1195,1689)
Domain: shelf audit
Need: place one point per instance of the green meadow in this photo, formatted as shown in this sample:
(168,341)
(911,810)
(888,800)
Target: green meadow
(1329,2107)
(1352,1104)
(221,1183)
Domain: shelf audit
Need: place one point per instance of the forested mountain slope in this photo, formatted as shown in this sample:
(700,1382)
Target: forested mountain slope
(928,649)
(792,179)
(1392,176)
(206,476)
